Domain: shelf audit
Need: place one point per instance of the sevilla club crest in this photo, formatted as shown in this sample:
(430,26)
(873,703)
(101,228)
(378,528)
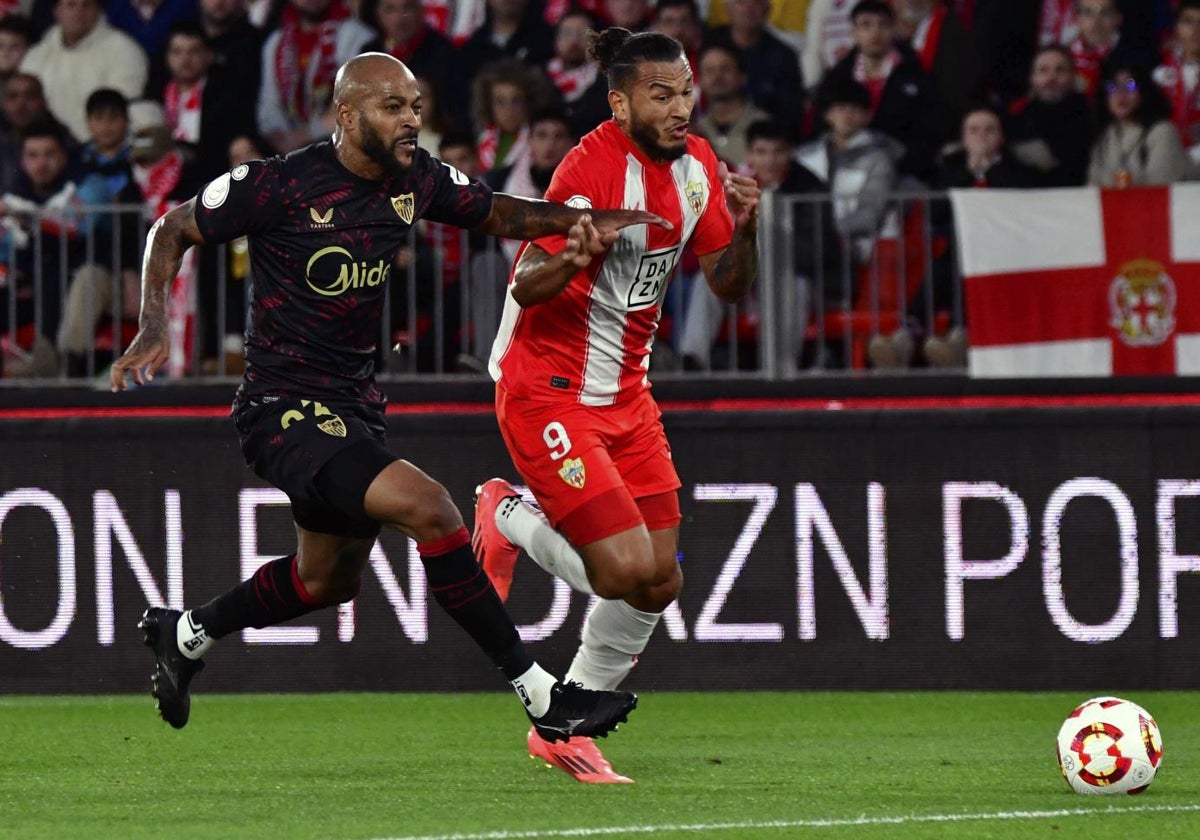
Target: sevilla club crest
(403,205)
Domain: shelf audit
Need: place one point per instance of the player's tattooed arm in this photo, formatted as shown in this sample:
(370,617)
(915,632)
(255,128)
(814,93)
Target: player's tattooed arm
(730,271)
(166,243)
(540,276)
(524,218)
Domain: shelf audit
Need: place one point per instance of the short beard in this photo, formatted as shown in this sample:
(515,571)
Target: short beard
(647,138)
(373,147)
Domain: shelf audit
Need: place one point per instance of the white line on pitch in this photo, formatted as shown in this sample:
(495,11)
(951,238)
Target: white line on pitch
(769,825)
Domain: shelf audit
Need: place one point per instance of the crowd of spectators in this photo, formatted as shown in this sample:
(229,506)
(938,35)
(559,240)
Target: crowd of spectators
(139,101)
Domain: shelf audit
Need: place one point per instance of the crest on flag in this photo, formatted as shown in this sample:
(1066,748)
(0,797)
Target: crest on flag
(694,191)
(1142,302)
(403,205)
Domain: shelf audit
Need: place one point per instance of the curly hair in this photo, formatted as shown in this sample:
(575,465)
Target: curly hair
(539,90)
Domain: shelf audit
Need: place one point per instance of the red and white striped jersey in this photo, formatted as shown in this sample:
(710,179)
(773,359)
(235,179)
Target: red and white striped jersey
(591,343)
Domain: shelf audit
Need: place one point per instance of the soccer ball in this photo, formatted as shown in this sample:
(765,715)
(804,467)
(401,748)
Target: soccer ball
(1109,745)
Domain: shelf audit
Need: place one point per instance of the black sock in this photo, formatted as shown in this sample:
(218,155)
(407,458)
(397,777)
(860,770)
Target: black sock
(465,592)
(273,594)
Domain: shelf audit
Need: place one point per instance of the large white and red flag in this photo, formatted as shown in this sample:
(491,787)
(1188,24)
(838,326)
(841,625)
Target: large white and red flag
(1081,282)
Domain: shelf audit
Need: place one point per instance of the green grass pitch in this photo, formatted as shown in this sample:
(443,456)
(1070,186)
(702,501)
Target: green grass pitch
(760,766)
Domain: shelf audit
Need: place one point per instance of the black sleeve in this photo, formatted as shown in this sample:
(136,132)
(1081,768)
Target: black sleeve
(243,201)
(455,198)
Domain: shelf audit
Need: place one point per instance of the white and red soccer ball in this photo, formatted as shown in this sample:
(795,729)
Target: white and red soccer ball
(1108,746)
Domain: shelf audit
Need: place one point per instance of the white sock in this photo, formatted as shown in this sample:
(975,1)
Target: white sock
(613,636)
(526,526)
(533,687)
(191,637)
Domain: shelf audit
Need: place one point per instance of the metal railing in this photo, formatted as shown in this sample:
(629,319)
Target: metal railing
(822,303)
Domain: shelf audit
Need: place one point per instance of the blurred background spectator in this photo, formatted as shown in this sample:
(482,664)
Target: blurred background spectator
(511,29)
(1137,144)
(681,20)
(505,94)
(15,38)
(901,100)
(81,53)
(404,33)
(39,247)
(436,121)
(981,158)
(772,67)
(816,248)
(1178,74)
(299,61)
(205,108)
(583,90)
(946,52)
(550,139)
(1051,128)
(727,111)
(22,104)
(236,45)
(149,22)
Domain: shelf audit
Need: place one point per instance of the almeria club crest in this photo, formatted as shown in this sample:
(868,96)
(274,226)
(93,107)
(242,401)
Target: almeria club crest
(1142,301)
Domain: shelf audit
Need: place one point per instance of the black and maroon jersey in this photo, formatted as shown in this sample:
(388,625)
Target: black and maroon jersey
(322,246)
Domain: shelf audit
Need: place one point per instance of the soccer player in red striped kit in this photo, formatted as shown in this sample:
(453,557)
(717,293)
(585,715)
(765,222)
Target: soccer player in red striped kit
(570,364)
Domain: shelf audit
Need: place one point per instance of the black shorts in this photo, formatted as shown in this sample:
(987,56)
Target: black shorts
(323,455)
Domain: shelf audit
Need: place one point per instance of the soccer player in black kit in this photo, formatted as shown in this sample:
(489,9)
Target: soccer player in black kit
(324,225)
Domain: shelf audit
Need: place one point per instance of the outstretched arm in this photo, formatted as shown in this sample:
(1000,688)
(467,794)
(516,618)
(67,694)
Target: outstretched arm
(730,271)
(540,276)
(525,218)
(166,243)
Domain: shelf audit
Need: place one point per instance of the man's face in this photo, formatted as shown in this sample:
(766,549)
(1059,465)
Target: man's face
(310,10)
(400,19)
(389,118)
(1098,20)
(462,158)
(658,107)
(1052,77)
(510,109)
(43,161)
(508,9)
(981,134)
(570,40)
(846,119)
(1187,31)
(220,12)
(107,128)
(769,159)
(76,17)
(12,49)
(242,150)
(748,14)
(627,13)
(188,58)
(679,23)
(22,101)
(719,74)
(549,142)
(873,34)
(912,10)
